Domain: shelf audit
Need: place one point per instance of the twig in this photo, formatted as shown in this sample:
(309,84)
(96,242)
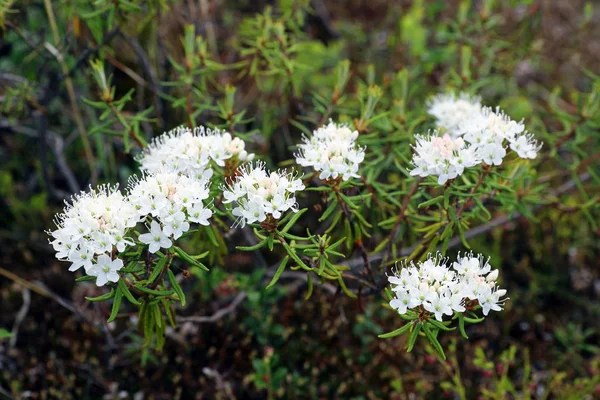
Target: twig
(20,317)
(90,52)
(87,146)
(57,145)
(220,314)
(42,290)
(401,214)
(356,263)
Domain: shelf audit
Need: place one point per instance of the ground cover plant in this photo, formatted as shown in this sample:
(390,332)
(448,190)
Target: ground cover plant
(299,199)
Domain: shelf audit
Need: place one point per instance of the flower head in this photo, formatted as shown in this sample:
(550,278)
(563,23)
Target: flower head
(332,150)
(474,135)
(443,157)
(189,151)
(443,290)
(258,193)
(489,132)
(451,111)
(93,226)
(172,199)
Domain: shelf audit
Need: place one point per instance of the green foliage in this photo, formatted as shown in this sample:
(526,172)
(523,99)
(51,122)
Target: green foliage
(269,75)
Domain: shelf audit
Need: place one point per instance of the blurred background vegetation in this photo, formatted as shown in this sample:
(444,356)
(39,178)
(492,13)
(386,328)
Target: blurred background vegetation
(269,70)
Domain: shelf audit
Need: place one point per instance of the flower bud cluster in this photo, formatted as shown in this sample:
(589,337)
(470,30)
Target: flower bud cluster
(259,193)
(332,150)
(444,290)
(189,152)
(91,229)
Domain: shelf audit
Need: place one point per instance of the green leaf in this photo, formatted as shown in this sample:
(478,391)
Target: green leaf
(433,340)
(431,201)
(293,220)
(279,271)
(127,293)
(474,320)
(169,312)
(85,278)
(461,325)
(176,287)
(309,292)
(116,305)
(252,248)
(4,334)
(413,337)
(395,333)
(105,296)
(185,256)
(158,268)
(440,325)
(154,291)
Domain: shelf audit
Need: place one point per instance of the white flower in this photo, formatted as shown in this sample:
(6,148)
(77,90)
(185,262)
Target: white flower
(199,214)
(189,151)
(172,199)
(176,224)
(438,304)
(105,270)
(332,151)
(259,193)
(94,224)
(525,146)
(451,111)
(156,238)
(443,157)
(433,285)
(400,303)
(492,153)
(490,300)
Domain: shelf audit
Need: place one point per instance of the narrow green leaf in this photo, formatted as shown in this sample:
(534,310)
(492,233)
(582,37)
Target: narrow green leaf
(158,268)
(155,292)
(185,256)
(413,337)
(169,312)
(395,333)
(430,202)
(433,340)
(116,305)
(279,271)
(440,325)
(176,287)
(252,248)
(293,220)
(85,278)
(105,296)
(461,325)
(309,292)
(127,293)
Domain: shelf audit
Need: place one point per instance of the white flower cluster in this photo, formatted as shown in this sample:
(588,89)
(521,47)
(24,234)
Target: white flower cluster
(259,193)
(451,111)
(92,229)
(443,157)
(474,135)
(489,130)
(332,150)
(173,201)
(189,151)
(442,290)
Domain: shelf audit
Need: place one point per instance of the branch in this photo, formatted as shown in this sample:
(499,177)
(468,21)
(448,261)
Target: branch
(220,314)
(356,263)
